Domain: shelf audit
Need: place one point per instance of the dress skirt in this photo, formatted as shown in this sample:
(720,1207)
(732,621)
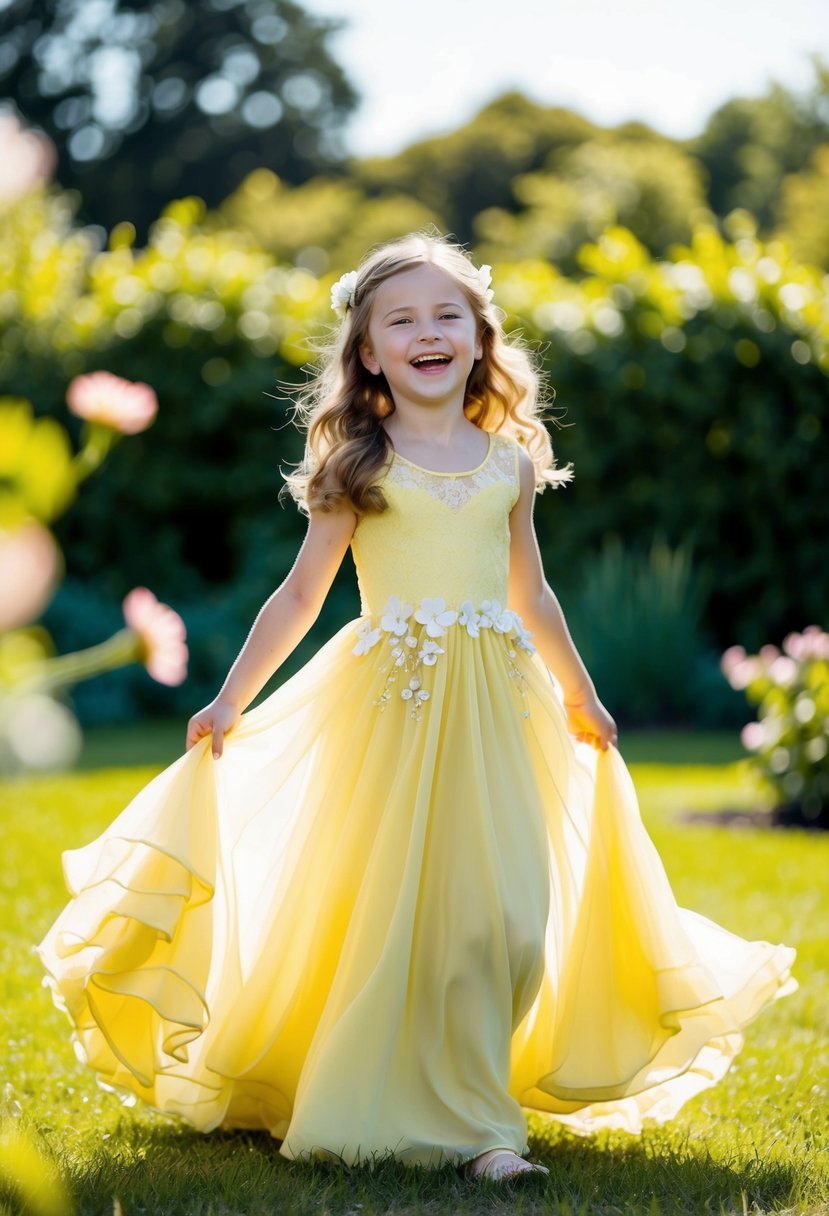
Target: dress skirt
(398,923)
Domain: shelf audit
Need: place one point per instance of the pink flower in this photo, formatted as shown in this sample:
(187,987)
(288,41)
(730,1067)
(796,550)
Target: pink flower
(123,405)
(29,158)
(753,736)
(793,645)
(783,670)
(812,643)
(769,653)
(30,568)
(730,659)
(162,633)
(739,668)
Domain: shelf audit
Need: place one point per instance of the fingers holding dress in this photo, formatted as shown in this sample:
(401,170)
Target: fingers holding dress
(217,718)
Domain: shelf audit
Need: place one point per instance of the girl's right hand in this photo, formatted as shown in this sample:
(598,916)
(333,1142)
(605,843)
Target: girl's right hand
(589,721)
(217,718)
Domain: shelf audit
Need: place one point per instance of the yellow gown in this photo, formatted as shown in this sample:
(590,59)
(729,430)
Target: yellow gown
(406,906)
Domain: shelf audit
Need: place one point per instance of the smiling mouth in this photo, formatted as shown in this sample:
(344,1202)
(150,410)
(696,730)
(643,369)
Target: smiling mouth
(431,361)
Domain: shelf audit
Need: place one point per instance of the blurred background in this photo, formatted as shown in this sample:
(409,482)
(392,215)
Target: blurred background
(180,184)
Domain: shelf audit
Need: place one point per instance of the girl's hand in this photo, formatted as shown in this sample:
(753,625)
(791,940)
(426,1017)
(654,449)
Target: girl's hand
(589,721)
(218,717)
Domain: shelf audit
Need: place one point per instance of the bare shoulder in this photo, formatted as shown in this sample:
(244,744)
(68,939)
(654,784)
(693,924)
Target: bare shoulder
(526,473)
(336,524)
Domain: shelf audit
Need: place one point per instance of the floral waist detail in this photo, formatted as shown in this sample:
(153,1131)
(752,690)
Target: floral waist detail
(432,612)
(408,652)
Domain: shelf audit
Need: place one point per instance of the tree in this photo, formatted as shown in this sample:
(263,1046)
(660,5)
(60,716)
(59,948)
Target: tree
(750,143)
(459,174)
(803,209)
(646,184)
(148,102)
(323,225)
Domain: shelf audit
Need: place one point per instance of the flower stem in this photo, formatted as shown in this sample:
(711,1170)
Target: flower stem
(122,648)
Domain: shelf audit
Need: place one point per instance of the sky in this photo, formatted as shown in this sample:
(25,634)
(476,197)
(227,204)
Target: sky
(426,66)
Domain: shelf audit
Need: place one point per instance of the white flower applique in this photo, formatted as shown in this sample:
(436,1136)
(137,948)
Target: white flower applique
(395,618)
(470,618)
(367,637)
(434,614)
(436,618)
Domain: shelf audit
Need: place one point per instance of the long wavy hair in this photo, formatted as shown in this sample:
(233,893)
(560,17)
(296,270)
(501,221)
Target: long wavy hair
(342,406)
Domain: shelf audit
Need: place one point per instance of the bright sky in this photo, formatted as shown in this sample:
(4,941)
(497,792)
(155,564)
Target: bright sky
(427,66)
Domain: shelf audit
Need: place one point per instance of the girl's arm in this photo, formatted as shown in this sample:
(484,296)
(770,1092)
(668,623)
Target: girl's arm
(534,601)
(282,622)
(286,617)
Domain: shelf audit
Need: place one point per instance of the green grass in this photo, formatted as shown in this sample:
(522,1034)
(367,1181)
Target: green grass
(160,740)
(755,1143)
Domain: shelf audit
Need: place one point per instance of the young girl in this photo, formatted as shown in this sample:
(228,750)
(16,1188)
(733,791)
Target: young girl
(409,896)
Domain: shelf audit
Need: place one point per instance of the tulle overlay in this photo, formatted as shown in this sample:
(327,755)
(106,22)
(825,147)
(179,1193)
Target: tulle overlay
(368,931)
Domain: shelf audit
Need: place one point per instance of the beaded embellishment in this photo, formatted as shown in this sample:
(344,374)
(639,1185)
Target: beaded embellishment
(409,655)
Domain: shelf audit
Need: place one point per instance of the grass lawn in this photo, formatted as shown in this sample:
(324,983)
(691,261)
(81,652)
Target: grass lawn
(757,1142)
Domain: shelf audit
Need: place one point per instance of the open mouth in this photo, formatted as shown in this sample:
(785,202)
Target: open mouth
(431,363)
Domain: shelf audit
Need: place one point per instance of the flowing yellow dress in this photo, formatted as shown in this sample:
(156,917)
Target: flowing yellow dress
(406,906)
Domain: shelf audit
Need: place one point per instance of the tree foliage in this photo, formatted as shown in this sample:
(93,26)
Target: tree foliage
(460,174)
(327,223)
(646,185)
(750,144)
(803,208)
(145,102)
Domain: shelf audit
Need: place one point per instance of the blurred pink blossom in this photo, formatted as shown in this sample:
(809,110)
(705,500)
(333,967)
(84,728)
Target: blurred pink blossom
(30,568)
(783,670)
(28,158)
(753,736)
(812,643)
(739,668)
(162,632)
(124,405)
(731,658)
(769,653)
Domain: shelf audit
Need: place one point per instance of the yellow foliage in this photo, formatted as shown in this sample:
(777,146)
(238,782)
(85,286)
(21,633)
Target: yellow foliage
(27,1173)
(36,473)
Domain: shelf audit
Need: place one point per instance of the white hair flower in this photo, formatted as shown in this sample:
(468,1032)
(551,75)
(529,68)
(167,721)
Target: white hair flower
(485,277)
(342,293)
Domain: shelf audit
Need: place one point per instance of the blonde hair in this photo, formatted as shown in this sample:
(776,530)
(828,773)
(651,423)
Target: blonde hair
(342,406)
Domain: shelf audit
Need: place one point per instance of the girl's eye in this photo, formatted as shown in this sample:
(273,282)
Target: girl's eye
(445,316)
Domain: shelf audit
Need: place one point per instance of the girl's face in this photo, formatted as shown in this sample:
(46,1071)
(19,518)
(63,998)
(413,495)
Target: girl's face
(423,336)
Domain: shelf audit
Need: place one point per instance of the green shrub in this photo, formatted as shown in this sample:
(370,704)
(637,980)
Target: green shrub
(636,620)
(695,396)
(790,739)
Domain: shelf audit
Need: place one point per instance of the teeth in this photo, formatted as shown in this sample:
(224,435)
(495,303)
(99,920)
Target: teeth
(431,359)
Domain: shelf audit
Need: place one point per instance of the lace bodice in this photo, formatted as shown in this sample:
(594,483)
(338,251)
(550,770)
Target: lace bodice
(443,535)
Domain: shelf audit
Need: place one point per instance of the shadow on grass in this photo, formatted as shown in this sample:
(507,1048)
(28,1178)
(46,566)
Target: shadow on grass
(186,1173)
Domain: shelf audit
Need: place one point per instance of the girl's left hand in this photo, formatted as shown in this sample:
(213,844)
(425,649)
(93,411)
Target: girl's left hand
(589,721)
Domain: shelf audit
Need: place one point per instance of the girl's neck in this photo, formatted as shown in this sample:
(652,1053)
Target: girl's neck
(431,433)
(442,452)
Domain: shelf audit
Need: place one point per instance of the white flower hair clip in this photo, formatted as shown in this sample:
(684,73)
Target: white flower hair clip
(485,277)
(342,293)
